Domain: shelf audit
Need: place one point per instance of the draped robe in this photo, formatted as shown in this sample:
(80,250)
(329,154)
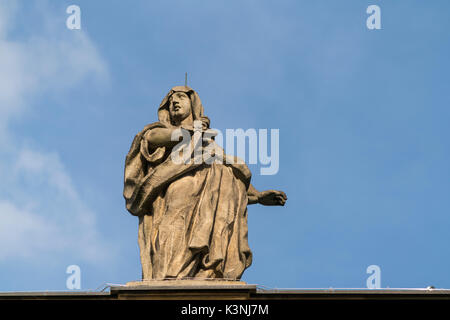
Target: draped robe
(192,217)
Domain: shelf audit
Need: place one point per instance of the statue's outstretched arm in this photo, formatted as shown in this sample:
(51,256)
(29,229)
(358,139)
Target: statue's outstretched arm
(252,194)
(266,198)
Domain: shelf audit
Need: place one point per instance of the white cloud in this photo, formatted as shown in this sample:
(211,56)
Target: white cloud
(22,233)
(46,215)
(32,163)
(53,60)
(41,211)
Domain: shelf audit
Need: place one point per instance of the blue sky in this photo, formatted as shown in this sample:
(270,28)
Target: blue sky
(363,118)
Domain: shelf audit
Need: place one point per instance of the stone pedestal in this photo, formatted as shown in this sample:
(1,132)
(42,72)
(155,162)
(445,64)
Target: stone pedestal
(184,290)
(184,283)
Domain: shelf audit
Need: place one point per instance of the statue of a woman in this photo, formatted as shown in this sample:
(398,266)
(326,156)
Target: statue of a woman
(192,217)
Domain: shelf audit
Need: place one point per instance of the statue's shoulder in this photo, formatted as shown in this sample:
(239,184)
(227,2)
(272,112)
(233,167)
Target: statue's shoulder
(135,145)
(150,126)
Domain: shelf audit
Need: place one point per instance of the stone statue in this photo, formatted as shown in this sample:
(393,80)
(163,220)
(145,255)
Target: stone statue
(192,217)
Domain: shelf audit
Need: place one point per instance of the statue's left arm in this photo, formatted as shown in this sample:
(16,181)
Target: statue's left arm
(266,198)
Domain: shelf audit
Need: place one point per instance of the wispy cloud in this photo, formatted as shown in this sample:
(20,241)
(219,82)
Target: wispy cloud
(41,210)
(50,61)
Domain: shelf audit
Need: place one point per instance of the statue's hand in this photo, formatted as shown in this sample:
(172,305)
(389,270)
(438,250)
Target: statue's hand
(272,198)
(205,122)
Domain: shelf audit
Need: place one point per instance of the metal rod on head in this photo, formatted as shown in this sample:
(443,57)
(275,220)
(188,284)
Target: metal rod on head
(185,79)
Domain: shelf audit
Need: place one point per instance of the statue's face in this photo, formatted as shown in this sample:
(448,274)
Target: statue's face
(179,106)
